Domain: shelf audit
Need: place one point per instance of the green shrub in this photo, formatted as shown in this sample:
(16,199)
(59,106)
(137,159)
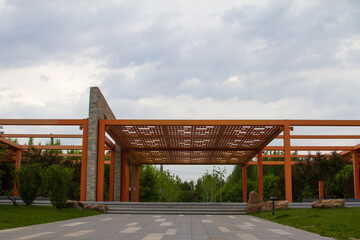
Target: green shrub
(58,180)
(29,182)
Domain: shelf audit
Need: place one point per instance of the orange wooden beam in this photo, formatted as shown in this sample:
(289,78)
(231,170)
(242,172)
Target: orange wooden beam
(260,175)
(335,123)
(100,166)
(84,160)
(271,163)
(321,137)
(17,167)
(109,143)
(10,143)
(244,183)
(310,148)
(47,122)
(287,165)
(356,175)
(42,135)
(321,189)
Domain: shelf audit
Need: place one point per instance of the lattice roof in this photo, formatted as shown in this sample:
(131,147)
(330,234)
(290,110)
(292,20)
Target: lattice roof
(193,144)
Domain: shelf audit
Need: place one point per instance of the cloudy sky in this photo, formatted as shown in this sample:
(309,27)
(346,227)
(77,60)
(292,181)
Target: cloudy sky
(181,59)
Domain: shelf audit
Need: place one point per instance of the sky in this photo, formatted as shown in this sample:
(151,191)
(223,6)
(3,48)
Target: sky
(181,60)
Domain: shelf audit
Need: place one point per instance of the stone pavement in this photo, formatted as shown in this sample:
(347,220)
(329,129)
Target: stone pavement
(156,227)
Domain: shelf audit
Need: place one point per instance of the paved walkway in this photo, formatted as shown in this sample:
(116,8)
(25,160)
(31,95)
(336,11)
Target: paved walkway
(156,227)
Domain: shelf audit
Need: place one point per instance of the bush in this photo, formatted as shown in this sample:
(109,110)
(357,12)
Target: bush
(58,180)
(29,182)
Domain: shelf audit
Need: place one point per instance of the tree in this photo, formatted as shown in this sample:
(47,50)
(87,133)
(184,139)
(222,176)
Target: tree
(29,182)
(149,188)
(57,181)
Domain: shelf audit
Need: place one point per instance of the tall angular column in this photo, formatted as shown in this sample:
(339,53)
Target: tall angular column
(17,167)
(260,175)
(125,168)
(112,172)
(98,109)
(137,182)
(356,175)
(133,182)
(244,183)
(287,164)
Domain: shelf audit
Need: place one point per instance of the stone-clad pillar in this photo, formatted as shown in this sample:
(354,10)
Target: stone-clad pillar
(133,182)
(117,174)
(98,109)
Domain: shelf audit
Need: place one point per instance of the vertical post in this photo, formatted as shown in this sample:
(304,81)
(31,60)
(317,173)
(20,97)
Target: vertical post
(356,175)
(321,189)
(124,177)
(260,175)
(137,181)
(84,160)
(17,167)
(244,183)
(112,171)
(287,164)
(100,173)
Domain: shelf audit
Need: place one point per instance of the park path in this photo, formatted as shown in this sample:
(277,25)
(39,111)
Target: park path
(160,227)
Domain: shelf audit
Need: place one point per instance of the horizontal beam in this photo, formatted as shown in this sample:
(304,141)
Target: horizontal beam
(282,156)
(311,148)
(270,162)
(45,122)
(190,149)
(152,122)
(322,136)
(56,147)
(42,135)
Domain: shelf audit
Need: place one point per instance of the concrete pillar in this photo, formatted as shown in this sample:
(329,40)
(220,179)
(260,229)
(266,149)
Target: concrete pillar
(117,174)
(133,182)
(98,109)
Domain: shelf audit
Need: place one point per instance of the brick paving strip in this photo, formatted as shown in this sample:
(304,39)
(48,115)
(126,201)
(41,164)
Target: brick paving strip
(160,227)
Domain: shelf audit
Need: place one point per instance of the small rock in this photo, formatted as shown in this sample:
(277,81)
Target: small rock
(281,204)
(329,203)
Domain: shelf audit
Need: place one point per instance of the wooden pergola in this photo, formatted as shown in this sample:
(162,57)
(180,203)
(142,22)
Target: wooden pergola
(137,142)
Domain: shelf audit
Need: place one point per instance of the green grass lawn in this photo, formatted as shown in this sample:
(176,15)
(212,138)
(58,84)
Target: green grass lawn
(12,217)
(341,223)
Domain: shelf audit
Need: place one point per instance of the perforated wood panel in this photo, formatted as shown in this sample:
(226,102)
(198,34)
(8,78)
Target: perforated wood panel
(174,144)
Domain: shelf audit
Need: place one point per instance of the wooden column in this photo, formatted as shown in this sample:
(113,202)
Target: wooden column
(244,183)
(112,172)
(84,160)
(125,177)
(356,175)
(137,181)
(321,189)
(260,175)
(101,155)
(287,163)
(17,167)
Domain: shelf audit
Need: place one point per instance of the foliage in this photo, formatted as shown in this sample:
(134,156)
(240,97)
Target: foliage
(322,221)
(271,187)
(169,187)
(149,188)
(57,180)
(29,182)
(13,217)
(44,157)
(345,182)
